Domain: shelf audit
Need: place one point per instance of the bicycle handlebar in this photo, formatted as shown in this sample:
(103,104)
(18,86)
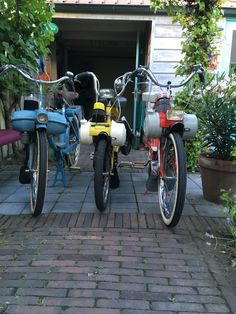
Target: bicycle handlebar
(9,67)
(197,69)
(87,74)
(82,75)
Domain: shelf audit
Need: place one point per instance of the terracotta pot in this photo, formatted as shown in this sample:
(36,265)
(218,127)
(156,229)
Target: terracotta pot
(216,175)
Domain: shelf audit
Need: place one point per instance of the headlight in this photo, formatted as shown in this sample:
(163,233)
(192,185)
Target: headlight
(42,117)
(174,115)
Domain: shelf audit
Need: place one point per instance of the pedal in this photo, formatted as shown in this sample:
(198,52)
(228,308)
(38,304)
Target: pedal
(60,144)
(139,165)
(130,164)
(24,176)
(75,168)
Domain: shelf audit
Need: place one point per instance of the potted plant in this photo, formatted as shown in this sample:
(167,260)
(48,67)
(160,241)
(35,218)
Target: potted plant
(217,114)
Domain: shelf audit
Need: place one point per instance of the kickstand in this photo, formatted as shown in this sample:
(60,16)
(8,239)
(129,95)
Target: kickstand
(60,171)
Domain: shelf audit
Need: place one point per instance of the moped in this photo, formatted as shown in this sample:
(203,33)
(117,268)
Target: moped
(39,125)
(110,133)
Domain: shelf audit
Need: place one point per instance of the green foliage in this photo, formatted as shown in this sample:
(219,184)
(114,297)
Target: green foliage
(233,155)
(198,19)
(186,101)
(215,106)
(24,31)
(193,149)
(230,203)
(24,34)
(231,207)
(217,111)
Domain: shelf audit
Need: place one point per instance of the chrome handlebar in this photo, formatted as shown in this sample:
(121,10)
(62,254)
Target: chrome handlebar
(123,80)
(9,67)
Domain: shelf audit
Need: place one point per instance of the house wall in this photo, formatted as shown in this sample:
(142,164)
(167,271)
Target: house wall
(165,52)
(227,52)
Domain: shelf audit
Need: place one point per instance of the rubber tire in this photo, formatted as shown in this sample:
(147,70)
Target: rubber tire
(102,162)
(38,171)
(181,180)
(72,157)
(125,150)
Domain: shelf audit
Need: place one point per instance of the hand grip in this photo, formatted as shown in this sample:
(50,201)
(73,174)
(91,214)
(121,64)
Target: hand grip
(201,76)
(82,75)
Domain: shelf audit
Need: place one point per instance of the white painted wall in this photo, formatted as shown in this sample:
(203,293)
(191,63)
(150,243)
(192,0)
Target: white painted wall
(225,44)
(165,49)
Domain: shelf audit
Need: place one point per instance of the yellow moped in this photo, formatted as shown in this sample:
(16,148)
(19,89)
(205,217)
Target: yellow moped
(110,133)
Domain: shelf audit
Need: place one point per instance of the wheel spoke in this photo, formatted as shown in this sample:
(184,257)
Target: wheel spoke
(72,157)
(38,172)
(172,183)
(102,162)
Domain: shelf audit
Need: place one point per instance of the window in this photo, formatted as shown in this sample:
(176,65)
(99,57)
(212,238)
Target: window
(233,53)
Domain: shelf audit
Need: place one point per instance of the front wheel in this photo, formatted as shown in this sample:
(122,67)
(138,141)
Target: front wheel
(72,157)
(172,179)
(102,162)
(38,166)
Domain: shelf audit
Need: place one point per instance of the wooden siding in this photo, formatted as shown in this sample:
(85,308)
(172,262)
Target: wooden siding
(226,4)
(166,49)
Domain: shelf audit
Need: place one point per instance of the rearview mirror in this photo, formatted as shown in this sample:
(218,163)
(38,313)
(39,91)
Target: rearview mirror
(70,74)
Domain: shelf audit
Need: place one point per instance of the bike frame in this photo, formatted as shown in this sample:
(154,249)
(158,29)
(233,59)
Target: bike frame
(164,129)
(65,137)
(103,129)
(154,145)
(110,134)
(39,125)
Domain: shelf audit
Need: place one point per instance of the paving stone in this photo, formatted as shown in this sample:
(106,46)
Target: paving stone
(92,311)
(148,198)
(12,208)
(177,307)
(122,198)
(124,304)
(71,198)
(130,207)
(18,197)
(47,208)
(74,207)
(115,208)
(189,209)
(74,259)
(210,211)
(32,310)
(52,197)
(149,207)
(89,208)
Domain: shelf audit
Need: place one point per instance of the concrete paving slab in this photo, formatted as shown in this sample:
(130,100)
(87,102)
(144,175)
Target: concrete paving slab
(12,208)
(71,207)
(131,191)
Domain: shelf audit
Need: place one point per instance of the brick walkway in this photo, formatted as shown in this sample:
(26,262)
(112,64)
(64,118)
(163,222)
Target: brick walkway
(118,262)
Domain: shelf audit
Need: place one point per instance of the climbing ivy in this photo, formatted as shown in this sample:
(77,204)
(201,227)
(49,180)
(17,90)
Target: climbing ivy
(24,30)
(24,33)
(198,19)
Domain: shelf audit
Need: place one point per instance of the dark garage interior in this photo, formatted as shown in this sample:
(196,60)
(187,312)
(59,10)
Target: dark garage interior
(106,47)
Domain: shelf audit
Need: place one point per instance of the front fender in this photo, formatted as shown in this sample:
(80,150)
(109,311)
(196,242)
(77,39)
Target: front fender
(178,128)
(102,135)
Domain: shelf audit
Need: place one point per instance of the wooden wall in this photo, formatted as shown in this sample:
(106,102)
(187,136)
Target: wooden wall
(165,48)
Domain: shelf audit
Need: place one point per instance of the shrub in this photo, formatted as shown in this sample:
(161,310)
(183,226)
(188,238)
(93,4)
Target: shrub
(230,204)
(185,100)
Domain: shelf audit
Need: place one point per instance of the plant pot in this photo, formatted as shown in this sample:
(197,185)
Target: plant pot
(216,175)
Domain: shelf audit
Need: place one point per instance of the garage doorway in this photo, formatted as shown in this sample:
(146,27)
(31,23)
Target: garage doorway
(106,47)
